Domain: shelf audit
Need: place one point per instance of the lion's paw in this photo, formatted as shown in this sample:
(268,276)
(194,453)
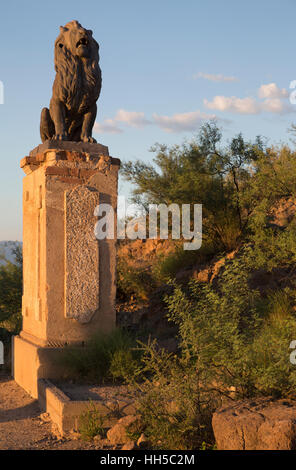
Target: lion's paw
(63,136)
(90,140)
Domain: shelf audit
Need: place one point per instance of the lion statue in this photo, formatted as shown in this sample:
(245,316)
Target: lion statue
(77,85)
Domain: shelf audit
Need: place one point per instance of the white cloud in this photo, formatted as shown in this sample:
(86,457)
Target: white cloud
(233,104)
(181,122)
(128,118)
(131,118)
(108,126)
(218,77)
(271,90)
(274,100)
(276,105)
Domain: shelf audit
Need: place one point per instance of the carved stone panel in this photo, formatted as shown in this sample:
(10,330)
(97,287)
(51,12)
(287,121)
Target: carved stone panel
(81,254)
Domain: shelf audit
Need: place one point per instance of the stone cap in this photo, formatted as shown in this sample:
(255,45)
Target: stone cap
(56,157)
(92,149)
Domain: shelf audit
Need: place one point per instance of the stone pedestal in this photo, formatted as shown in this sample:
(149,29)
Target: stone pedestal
(69,275)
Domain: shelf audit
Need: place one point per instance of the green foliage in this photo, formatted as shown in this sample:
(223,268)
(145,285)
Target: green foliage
(234,340)
(202,172)
(274,373)
(11,292)
(273,247)
(274,171)
(272,183)
(140,281)
(134,430)
(166,267)
(91,423)
(123,363)
(234,343)
(105,358)
(133,281)
(175,412)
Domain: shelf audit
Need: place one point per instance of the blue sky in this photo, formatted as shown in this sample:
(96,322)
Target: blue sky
(166,66)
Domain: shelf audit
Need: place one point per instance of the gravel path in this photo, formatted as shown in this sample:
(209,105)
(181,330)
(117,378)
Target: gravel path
(21,426)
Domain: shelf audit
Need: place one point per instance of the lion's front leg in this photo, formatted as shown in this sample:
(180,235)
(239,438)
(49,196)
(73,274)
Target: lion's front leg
(58,115)
(87,125)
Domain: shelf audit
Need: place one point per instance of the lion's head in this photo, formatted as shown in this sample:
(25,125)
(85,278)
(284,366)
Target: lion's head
(75,42)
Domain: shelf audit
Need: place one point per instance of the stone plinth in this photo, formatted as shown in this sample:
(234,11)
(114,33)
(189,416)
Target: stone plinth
(69,275)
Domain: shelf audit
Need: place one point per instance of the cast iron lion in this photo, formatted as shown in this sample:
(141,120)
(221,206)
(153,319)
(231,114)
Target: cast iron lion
(77,85)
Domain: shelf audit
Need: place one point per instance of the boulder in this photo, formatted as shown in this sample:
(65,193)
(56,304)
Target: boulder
(117,434)
(259,424)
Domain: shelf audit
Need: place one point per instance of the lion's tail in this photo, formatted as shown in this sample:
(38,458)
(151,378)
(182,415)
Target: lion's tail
(47,129)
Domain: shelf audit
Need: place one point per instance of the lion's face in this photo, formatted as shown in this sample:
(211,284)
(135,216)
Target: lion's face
(77,40)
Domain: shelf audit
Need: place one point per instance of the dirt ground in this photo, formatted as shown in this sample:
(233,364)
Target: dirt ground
(21,426)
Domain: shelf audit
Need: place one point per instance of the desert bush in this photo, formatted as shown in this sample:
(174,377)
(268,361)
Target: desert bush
(105,358)
(273,372)
(133,281)
(167,266)
(274,171)
(175,412)
(91,423)
(123,363)
(236,339)
(234,343)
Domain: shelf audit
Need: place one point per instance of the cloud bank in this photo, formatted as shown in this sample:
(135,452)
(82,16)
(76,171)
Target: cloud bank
(181,122)
(274,100)
(270,99)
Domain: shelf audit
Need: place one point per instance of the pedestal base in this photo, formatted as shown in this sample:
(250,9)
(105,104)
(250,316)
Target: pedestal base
(69,275)
(32,362)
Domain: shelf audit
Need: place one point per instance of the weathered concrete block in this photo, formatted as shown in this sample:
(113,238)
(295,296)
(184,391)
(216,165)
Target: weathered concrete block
(66,413)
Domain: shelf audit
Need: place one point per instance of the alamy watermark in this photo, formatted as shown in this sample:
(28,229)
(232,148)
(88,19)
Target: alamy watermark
(181,221)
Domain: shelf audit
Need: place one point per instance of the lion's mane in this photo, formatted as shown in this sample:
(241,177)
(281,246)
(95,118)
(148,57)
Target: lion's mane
(76,80)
